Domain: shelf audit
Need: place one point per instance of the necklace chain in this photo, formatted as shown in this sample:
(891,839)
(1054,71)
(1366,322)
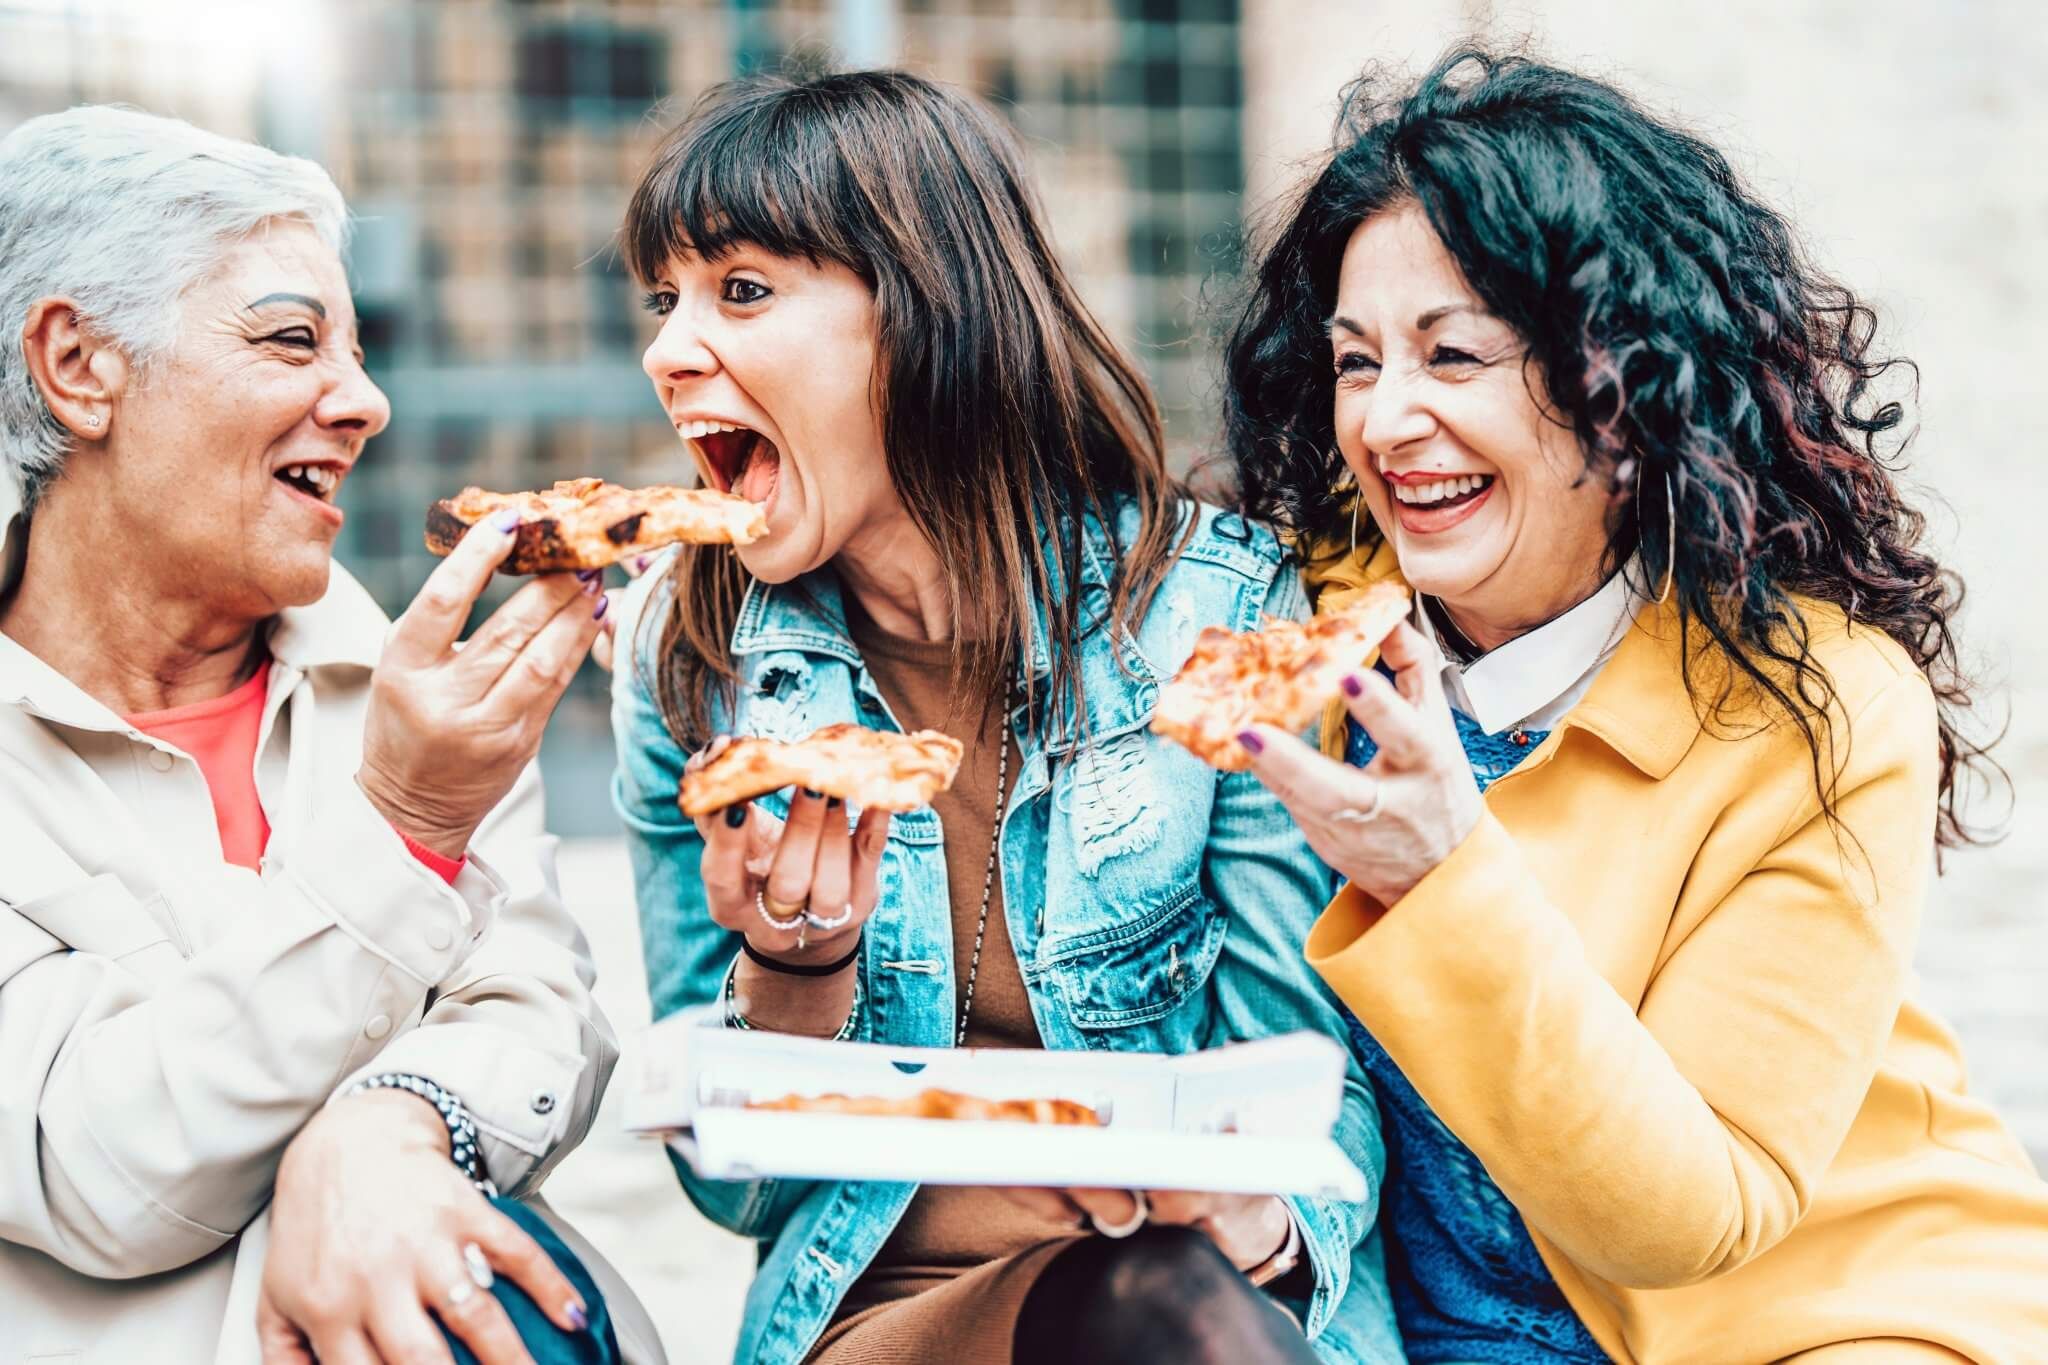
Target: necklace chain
(988,875)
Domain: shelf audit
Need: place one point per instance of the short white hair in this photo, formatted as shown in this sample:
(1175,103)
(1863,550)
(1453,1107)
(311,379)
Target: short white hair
(123,212)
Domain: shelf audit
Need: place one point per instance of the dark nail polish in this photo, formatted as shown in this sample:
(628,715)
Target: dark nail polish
(579,1319)
(832,803)
(507,520)
(1253,745)
(603,605)
(808,792)
(1352,687)
(736,815)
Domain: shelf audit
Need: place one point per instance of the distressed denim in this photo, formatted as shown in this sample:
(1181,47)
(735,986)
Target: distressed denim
(1154,904)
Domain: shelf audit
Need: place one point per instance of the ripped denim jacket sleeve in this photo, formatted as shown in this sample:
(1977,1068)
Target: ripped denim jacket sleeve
(686,954)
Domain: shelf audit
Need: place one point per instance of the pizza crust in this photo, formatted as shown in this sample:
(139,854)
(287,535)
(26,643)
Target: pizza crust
(940,1104)
(874,769)
(588,523)
(1282,674)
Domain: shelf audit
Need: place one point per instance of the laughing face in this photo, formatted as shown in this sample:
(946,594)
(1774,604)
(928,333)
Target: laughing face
(1485,499)
(224,459)
(766,365)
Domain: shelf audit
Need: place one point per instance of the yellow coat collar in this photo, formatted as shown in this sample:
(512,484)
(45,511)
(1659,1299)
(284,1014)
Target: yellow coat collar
(1639,706)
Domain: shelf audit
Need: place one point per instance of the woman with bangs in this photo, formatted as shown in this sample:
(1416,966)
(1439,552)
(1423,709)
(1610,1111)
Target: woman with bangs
(1636,812)
(971,527)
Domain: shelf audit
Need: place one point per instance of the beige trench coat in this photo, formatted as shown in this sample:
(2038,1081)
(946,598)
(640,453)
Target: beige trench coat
(168,1021)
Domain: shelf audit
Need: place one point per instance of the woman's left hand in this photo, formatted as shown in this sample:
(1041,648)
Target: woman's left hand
(1384,827)
(1248,1228)
(367,1234)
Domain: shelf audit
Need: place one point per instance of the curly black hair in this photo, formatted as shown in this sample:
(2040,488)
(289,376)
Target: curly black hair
(1678,329)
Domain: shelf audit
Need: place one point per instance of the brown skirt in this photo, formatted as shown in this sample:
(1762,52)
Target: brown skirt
(969,1319)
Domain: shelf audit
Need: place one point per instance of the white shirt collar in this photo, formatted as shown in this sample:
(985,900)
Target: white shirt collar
(1530,682)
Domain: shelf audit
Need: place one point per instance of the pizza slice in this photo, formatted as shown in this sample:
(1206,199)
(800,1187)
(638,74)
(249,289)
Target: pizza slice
(940,1104)
(1280,675)
(588,523)
(874,769)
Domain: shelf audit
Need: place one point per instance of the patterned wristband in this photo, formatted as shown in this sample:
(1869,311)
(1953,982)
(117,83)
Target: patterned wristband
(464,1148)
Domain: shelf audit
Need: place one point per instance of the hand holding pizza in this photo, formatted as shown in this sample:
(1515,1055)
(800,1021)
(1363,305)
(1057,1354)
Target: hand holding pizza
(452,724)
(798,890)
(1385,827)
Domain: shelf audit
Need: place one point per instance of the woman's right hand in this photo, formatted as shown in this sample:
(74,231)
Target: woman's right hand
(452,725)
(812,865)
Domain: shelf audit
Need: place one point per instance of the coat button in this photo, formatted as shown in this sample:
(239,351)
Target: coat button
(543,1101)
(160,760)
(439,937)
(379,1025)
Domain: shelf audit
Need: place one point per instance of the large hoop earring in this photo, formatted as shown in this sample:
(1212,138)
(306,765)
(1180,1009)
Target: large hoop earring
(1670,531)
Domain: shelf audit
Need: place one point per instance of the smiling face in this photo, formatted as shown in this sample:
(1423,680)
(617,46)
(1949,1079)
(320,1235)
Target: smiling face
(1486,500)
(766,367)
(222,462)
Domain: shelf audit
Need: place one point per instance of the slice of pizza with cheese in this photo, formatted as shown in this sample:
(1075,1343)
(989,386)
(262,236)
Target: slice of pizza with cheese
(588,523)
(872,769)
(940,1104)
(1282,674)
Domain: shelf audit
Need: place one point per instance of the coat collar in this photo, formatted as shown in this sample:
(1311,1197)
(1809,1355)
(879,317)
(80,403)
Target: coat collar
(1639,705)
(344,628)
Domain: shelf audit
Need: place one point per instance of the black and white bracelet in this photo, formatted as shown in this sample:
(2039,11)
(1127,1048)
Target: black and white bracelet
(464,1148)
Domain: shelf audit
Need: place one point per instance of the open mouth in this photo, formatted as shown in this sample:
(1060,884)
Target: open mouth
(1443,493)
(735,459)
(319,482)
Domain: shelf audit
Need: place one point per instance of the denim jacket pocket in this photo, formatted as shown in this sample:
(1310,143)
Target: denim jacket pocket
(1141,971)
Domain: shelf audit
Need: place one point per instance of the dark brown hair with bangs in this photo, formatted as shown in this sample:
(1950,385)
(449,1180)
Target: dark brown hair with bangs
(1007,414)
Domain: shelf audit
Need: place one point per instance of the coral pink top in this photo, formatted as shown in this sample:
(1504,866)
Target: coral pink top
(221,736)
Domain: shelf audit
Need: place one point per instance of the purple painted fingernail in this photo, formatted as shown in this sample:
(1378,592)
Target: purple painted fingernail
(603,603)
(640,563)
(1352,686)
(589,575)
(1253,745)
(507,520)
(736,814)
(578,1319)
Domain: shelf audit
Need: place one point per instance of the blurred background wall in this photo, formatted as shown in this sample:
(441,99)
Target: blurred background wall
(489,146)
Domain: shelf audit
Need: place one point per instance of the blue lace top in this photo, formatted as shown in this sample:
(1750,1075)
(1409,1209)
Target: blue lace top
(1467,1283)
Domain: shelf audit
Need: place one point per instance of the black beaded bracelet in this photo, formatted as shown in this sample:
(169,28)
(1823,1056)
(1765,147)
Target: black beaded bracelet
(464,1147)
(831,968)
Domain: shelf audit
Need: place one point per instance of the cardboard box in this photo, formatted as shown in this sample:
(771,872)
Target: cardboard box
(1251,1118)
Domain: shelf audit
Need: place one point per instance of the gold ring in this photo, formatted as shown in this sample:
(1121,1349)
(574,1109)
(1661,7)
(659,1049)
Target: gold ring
(780,915)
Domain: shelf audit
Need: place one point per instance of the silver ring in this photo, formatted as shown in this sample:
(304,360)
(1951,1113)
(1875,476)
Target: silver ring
(1352,816)
(838,921)
(478,1265)
(1141,1209)
(462,1293)
(780,926)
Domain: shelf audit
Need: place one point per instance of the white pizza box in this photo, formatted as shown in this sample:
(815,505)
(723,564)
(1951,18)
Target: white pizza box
(1250,1118)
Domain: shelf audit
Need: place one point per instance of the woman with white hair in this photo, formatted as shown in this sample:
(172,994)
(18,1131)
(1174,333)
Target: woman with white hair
(286,986)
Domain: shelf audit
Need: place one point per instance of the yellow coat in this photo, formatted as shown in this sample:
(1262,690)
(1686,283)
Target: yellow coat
(1667,1007)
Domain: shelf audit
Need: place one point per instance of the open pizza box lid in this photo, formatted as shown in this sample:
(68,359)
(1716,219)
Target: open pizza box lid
(1250,1118)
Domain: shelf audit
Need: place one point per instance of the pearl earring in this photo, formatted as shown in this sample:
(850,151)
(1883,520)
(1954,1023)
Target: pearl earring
(92,419)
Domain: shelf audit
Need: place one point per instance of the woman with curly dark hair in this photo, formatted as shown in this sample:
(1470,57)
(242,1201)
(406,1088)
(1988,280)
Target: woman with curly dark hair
(1638,807)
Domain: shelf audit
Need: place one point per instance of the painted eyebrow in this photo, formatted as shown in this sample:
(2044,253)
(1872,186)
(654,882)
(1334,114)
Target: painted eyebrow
(303,300)
(1435,315)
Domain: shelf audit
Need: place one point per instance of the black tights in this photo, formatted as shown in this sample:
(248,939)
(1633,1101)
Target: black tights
(1165,1294)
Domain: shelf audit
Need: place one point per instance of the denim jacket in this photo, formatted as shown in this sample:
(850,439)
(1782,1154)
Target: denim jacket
(1154,904)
